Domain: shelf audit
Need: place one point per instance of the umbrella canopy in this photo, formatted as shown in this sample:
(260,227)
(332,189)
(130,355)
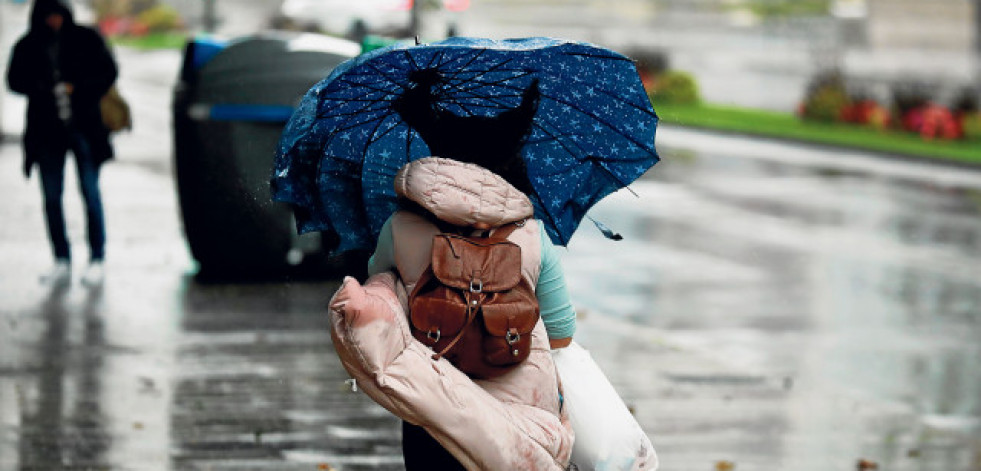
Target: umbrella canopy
(576,114)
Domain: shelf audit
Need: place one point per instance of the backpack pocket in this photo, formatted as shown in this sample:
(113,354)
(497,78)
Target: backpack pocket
(508,322)
(438,316)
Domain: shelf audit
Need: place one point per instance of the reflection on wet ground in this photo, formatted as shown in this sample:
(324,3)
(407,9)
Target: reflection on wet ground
(64,429)
(259,385)
(862,291)
(781,315)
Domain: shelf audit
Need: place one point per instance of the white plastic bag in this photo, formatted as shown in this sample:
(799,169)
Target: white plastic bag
(608,438)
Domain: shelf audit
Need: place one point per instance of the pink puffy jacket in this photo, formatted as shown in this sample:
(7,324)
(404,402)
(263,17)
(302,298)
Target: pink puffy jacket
(508,423)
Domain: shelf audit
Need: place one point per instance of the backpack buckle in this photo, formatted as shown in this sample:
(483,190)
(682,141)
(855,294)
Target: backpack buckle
(476,285)
(512,337)
(433,335)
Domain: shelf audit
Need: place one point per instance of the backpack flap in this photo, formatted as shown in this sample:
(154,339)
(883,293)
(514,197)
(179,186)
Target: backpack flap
(508,321)
(441,314)
(489,265)
(516,314)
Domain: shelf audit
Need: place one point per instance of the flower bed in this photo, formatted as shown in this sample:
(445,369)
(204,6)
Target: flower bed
(913,109)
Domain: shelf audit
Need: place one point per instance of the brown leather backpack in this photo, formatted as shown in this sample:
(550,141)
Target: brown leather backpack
(472,305)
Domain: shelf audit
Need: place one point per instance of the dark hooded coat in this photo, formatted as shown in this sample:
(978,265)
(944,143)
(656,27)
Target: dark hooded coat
(81,58)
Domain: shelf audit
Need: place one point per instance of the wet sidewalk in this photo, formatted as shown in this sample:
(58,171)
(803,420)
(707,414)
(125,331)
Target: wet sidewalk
(154,370)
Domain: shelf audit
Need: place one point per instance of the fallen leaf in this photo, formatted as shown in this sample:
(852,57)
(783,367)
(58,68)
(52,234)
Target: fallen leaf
(725,466)
(866,465)
(325,467)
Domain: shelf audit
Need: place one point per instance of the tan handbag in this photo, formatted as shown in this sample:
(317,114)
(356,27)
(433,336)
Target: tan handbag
(472,305)
(115,111)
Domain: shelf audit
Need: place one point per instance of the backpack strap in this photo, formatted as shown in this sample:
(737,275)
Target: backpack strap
(507,229)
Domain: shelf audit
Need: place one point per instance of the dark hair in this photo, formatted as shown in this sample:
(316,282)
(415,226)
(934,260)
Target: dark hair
(492,142)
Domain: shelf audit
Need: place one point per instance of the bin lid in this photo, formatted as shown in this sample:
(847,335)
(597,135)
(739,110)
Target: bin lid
(273,68)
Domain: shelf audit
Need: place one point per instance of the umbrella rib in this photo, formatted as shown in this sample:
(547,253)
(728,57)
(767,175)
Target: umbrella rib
(476,84)
(471,90)
(384,74)
(411,59)
(478,74)
(562,241)
(462,68)
(557,138)
(458,102)
(493,99)
(598,119)
(495,68)
(440,53)
(609,172)
(377,138)
(592,158)
(362,111)
(367,98)
(369,87)
(633,105)
(336,131)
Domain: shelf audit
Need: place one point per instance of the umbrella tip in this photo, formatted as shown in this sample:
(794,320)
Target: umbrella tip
(417,40)
(607,232)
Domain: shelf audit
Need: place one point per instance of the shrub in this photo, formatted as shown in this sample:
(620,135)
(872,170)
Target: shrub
(650,64)
(909,99)
(675,86)
(939,123)
(160,18)
(971,124)
(826,98)
(107,9)
(966,101)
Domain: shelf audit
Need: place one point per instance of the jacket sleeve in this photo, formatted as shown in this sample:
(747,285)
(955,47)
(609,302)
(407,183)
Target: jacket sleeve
(22,72)
(498,426)
(100,65)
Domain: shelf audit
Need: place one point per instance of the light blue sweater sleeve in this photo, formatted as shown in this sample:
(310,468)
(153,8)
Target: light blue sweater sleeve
(384,257)
(553,296)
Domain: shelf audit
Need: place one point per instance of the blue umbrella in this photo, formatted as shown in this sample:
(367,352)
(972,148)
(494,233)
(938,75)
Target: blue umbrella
(591,131)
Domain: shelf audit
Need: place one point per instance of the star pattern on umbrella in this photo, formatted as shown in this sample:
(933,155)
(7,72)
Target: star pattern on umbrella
(594,123)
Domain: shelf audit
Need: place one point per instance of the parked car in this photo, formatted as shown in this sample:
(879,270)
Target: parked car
(230,106)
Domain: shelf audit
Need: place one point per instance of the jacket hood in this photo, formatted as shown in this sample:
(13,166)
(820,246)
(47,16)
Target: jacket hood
(43,8)
(461,194)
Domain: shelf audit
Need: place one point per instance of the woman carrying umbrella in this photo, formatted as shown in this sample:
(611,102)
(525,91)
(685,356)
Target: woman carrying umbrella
(475,134)
(481,167)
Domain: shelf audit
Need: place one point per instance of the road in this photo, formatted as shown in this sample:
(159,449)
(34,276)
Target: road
(777,306)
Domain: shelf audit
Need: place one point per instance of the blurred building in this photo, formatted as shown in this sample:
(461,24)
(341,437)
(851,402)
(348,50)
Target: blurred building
(918,24)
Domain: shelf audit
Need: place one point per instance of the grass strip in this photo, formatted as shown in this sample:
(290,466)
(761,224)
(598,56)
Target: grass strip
(787,126)
(151,41)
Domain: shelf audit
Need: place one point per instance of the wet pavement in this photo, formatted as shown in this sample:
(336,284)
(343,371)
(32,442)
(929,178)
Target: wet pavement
(775,306)
(841,291)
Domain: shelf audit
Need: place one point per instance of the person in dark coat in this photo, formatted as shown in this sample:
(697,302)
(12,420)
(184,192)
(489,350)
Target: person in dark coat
(64,69)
